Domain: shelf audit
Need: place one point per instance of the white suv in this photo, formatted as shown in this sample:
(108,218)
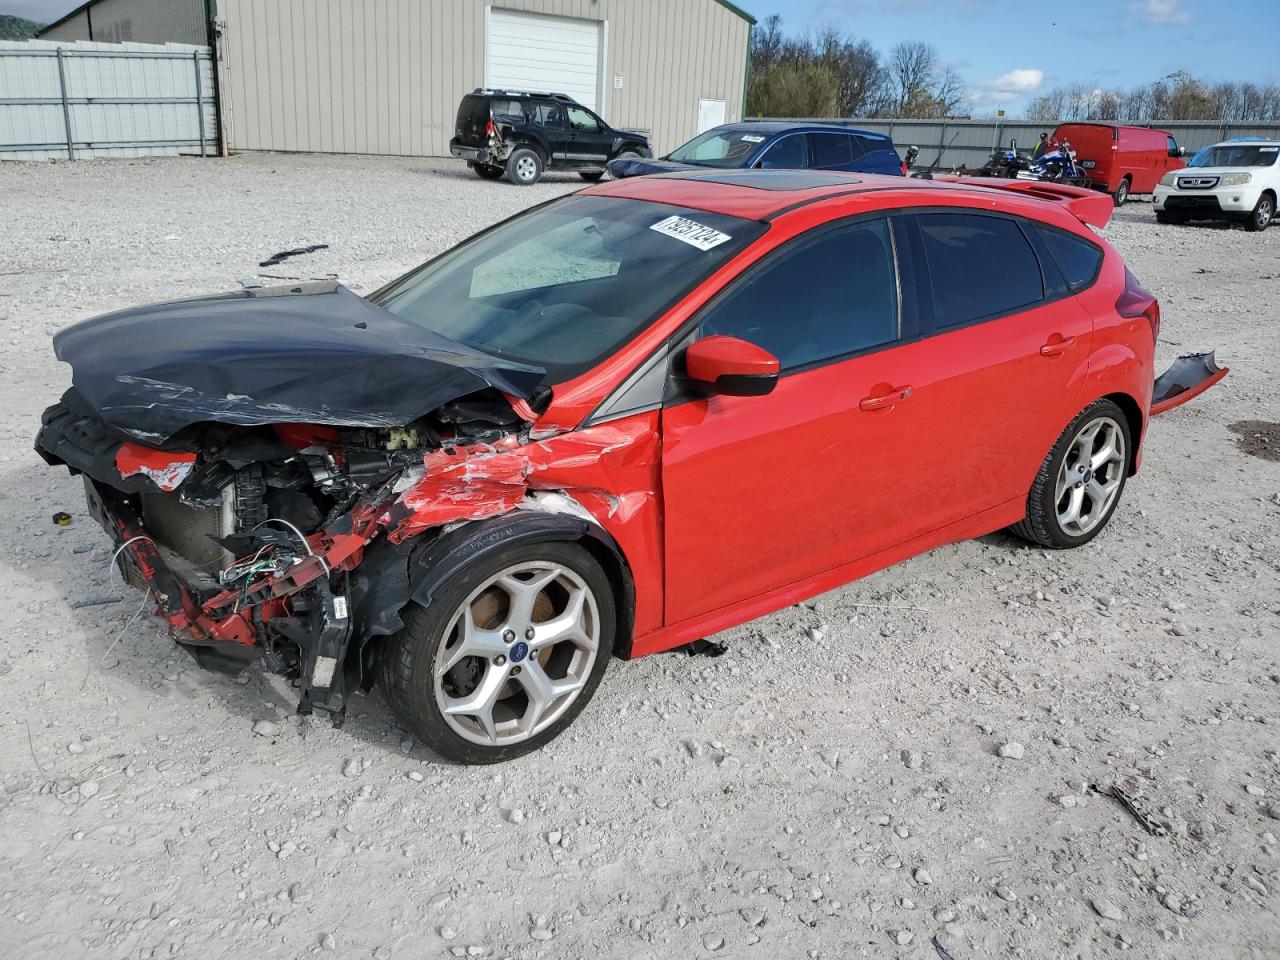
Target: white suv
(1232,180)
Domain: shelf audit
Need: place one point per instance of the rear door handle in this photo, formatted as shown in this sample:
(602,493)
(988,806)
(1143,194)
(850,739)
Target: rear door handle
(884,401)
(1056,348)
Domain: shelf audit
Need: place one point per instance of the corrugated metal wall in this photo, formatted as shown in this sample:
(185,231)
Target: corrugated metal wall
(969,143)
(139,21)
(121,100)
(385,76)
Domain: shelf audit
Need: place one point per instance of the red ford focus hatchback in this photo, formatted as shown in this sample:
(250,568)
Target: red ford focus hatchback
(612,425)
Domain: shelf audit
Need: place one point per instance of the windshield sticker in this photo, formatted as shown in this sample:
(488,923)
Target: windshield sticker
(1268,149)
(691,232)
(752,138)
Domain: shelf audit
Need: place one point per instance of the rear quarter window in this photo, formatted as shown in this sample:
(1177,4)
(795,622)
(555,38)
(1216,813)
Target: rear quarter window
(1077,258)
(980,267)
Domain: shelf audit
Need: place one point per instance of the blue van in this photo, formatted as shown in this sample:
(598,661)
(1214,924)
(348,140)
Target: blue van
(773,144)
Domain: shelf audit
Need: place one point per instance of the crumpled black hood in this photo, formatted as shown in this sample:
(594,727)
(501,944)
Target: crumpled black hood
(315,353)
(645,166)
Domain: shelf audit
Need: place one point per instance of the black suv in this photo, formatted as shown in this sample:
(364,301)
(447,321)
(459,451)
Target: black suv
(520,134)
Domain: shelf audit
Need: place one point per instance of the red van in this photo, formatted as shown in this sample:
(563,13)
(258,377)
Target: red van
(1122,160)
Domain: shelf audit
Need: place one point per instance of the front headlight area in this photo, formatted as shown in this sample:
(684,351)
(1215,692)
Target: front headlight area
(1235,179)
(1167,179)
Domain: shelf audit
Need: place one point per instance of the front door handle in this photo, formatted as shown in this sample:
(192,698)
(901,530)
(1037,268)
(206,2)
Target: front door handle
(1057,347)
(884,401)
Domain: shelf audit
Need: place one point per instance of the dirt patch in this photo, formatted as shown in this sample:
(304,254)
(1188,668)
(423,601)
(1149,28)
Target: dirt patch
(1258,438)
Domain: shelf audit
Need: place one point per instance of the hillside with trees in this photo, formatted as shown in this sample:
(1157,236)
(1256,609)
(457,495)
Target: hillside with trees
(16,28)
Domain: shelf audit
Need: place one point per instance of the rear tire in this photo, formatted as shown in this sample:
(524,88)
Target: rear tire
(1122,193)
(591,176)
(524,693)
(487,172)
(524,167)
(1262,214)
(1078,487)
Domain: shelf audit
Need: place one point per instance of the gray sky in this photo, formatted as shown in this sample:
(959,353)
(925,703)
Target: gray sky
(41,11)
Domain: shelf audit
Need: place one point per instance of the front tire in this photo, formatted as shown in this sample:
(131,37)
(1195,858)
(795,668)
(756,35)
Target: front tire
(524,167)
(591,176)
(1078,487)
(1262,214)
(506,655)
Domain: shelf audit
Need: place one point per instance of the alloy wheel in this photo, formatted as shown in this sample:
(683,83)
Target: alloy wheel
(526,168)
(518,652)
(1090,477)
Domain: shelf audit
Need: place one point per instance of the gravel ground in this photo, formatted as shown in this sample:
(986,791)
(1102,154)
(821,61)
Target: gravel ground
(906,758)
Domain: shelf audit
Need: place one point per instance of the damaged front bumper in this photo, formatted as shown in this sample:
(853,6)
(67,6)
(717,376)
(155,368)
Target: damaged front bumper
(307,605)
(1187,377)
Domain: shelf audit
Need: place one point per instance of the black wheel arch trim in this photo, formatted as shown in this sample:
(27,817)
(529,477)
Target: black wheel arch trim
(435,562)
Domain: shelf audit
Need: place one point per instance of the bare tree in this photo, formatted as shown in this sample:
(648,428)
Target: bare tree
(923,86)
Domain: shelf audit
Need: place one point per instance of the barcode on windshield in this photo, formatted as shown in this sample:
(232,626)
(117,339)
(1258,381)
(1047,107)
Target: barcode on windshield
(691,232)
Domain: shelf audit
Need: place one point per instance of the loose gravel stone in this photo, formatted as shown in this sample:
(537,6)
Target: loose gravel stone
(1012,750)
(1106,909)
(266,728)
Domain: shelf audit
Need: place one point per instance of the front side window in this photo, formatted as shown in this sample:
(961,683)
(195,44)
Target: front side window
(582,121)
(833,295)
(831,150)
(789,153)
(978,266)
(564,285)
(1174,150)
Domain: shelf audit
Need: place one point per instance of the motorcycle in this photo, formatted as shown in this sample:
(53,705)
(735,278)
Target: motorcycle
(1005,163)
(1058,165)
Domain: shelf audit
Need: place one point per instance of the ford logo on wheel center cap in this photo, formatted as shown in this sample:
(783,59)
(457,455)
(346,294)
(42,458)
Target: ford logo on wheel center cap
(519,651)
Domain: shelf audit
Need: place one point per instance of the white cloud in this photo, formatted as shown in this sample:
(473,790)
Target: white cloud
(1162,11)
(1008,86)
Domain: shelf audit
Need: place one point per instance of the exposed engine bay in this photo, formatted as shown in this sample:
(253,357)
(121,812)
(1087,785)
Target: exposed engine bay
(249,536)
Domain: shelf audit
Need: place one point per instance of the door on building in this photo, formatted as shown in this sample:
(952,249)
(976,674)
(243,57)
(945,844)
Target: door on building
(710,114)
(530,51)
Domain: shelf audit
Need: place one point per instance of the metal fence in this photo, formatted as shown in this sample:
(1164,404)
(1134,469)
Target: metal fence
(949,144)
(88,100)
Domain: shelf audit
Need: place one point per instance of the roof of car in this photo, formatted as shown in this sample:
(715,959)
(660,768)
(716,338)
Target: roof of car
(766,194)
(799,126)
(1241,141)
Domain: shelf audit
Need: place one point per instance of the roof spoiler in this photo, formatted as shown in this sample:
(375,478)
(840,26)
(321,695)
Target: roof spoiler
(1087,206)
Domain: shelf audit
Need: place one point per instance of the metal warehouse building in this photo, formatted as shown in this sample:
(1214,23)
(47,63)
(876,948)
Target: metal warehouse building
(386,76)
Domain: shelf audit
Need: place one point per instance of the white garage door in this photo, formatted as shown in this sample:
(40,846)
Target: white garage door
(528,51)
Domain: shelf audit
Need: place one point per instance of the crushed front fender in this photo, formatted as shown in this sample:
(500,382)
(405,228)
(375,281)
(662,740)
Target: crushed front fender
(1187,377)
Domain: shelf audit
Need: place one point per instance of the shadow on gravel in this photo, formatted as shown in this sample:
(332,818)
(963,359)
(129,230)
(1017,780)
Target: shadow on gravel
(98,606)
(1258,438)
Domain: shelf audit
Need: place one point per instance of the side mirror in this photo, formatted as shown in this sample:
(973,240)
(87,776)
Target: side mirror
(732,367)
(1182,151)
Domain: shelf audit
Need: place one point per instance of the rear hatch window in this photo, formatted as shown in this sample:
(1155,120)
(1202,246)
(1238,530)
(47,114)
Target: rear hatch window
(473,114)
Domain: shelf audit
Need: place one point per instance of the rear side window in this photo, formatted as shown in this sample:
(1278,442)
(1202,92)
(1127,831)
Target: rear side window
(548,115)
(831,150)
(507,108)
(1078,259)
(979,267)
(827,297)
